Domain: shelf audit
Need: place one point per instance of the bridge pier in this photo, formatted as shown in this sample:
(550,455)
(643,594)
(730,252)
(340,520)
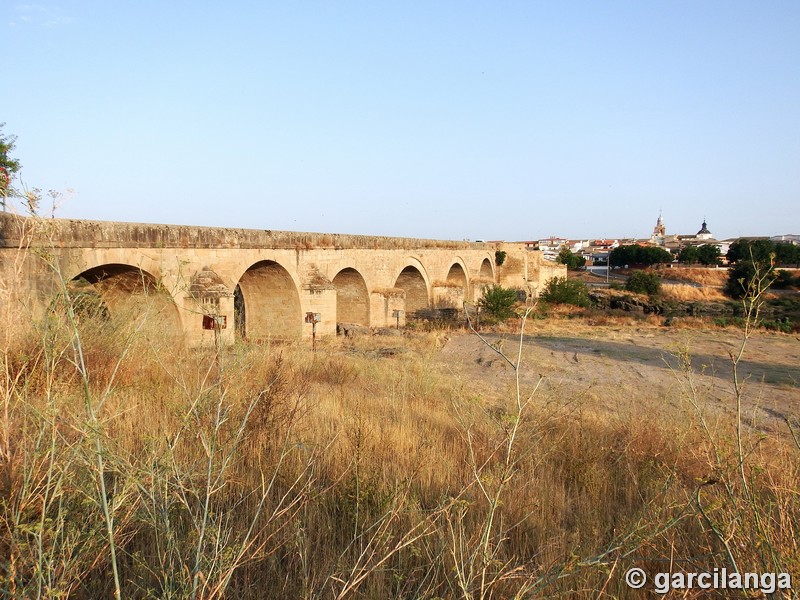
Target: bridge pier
(321,300)
(384,303)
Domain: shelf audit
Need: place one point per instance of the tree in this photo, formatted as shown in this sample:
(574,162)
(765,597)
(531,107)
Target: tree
(8,166)
(634,254)
(708,254)
(498,301)
(689,255)
(570,259)
(759,251)
(560,290)
(745,275)
(643,282)
(787,254)
(754,264)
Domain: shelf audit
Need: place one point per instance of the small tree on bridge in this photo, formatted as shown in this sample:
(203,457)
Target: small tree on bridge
(8,166)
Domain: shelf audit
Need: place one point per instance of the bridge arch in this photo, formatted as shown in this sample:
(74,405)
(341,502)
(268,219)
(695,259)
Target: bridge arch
(267,302)
(124,293)
(457,284)
(486,270)
(352,297)
(413,280)
(458,274)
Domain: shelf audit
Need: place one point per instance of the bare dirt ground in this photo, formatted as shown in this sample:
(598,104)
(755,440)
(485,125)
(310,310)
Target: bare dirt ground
(614,369)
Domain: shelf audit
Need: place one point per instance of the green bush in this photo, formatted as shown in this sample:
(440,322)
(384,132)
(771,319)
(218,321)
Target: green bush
(728,321)
(499,257)
(742,277)
(560,290)
(784,325)
(784,279)
(498,302)
(642,282)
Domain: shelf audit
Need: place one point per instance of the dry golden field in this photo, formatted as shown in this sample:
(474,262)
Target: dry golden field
(426,465)
(703,275)
(687,293)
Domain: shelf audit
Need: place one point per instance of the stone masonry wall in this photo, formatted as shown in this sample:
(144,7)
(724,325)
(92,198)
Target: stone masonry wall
(281,275)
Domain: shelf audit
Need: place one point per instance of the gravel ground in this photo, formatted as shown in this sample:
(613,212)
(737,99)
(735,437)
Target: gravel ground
(611,369)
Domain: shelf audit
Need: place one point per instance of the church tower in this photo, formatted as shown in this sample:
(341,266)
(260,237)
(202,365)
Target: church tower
(659,231)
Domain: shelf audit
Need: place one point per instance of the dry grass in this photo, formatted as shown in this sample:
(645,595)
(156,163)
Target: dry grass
(369,469)
(443,283)
(567,319)
(688,293)
(389,292)
(704,276)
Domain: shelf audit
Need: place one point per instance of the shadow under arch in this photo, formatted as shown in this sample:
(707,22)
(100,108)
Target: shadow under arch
(414,284)
(457,275)
(486,270)
(267,303)
(123,292)
(352,297)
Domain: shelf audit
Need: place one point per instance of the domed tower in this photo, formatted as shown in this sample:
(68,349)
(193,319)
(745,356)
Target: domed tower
(704,233)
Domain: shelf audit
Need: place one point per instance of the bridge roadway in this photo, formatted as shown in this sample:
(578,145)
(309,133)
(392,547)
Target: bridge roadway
(262,283)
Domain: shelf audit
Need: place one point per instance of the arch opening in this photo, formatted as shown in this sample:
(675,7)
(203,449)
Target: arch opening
(486,270)
(352,297)
(268,303)
(456,290)
(413,284)
(456,275)
(119,294)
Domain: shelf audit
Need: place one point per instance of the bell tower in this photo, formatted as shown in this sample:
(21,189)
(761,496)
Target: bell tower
(659,231)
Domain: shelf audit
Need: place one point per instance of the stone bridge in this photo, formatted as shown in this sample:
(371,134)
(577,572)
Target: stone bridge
(261,283)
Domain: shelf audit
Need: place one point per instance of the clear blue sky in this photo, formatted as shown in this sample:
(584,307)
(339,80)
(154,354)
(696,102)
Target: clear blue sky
(482,120)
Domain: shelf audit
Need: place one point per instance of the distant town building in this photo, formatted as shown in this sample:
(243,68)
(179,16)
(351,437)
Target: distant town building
(551,246)
(700,238)
(786,238)
(674,243)
(597,251)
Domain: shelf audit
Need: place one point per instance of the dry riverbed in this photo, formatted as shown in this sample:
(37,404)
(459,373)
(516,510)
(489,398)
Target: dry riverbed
(633,370)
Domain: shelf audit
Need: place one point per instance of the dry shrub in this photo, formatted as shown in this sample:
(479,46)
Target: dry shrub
(573,318)
(566,311)
(331,370)
(612,318)
(689,322)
